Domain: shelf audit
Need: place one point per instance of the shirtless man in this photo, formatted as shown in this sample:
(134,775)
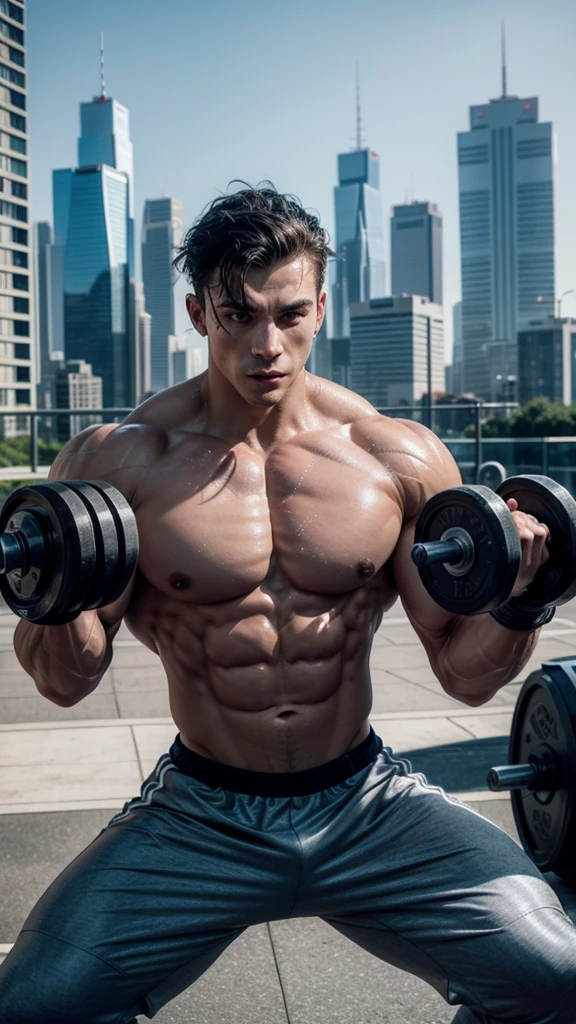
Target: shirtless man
(276,514)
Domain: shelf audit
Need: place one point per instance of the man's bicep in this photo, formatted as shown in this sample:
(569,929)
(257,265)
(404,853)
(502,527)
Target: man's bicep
(432,623)
(79,458)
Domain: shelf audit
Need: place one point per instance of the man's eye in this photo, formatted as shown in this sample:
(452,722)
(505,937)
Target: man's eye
(295,315)
(241,317)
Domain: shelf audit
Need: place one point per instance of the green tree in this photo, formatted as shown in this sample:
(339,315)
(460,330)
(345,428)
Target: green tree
(538,418)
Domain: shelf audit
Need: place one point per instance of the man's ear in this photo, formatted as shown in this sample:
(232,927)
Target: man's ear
(197,314)
(320,313)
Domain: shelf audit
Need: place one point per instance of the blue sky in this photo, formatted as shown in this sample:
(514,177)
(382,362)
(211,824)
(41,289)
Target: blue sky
(258,90)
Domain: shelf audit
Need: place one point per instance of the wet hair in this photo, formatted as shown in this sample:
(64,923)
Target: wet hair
(254,227)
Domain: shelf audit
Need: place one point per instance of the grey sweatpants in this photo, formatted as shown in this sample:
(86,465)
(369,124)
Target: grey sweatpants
(393,863)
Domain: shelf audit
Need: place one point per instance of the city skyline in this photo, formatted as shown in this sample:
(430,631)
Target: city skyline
(415,98)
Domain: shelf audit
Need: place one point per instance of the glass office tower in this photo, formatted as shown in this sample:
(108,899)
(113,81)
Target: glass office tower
(94,248)
(161,233)
(360,266)
(17,363)
(416,248)
(506,234)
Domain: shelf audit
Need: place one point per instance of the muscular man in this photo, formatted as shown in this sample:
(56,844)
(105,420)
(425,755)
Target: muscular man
(276,513)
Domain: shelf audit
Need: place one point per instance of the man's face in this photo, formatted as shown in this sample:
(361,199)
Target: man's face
(262,346)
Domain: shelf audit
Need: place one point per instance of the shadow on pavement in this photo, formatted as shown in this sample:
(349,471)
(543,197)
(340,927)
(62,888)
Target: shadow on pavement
(460,767)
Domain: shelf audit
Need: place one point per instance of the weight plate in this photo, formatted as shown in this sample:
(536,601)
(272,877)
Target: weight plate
(68,559)
(486,519)
(491,474)
(552,504)
(127,534)
(106,539)
(545,715)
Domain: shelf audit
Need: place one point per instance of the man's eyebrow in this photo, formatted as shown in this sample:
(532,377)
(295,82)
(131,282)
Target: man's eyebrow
(297,304)
(234,304)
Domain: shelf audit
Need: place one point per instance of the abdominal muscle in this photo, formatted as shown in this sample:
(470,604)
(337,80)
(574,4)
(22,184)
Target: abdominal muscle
(276,680)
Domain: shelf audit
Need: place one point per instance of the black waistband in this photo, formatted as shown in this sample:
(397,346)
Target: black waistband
(243,780)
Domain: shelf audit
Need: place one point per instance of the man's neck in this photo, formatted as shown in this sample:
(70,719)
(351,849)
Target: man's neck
(233,419)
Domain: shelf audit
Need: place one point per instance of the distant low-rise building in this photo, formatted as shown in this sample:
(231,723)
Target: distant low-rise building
(546,355)
(396,349)
(76,388)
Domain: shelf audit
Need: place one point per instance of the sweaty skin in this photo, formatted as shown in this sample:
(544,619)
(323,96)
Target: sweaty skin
(267,558)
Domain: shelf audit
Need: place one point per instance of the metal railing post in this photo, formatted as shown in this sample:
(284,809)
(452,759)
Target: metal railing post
(478,456)
(33,442)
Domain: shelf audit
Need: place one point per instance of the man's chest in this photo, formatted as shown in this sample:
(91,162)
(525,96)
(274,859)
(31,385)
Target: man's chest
(328,513)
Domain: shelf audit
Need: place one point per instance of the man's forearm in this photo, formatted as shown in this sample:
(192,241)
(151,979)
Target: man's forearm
(66,662)
(480,656)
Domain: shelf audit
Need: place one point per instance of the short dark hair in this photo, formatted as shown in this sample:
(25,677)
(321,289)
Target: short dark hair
(254,227)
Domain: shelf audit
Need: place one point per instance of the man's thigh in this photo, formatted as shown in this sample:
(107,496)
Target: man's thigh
(148,906)
(425,883)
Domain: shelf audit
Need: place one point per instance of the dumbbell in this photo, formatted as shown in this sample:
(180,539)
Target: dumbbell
(468,552)
(541,775)
(65,548)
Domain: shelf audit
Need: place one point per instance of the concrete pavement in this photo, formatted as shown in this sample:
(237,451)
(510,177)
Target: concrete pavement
(63,772)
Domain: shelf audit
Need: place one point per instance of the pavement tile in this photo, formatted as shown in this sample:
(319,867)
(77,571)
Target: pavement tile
(392,657)
(401,696)
(133,655)
(400,634)
(151,742)
(153,704)
(411,734)
(139,680)
(489,725)
(67,746)
(56,782)
(242,987)
(39,709)
(327,977)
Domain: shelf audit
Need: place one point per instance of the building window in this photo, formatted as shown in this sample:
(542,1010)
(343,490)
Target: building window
(22,374)
(18,167)
(21,305)
(19,189)
(21,350)
(22,328)
(17,99)
(16,56)
(19,259)
(20,282)
(18,122)
(12,10)
(13,210)
(10,75)
(10,31)
(16,144)
(20,236)
(23,396)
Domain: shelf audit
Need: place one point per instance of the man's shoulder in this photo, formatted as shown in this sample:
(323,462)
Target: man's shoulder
(419,461)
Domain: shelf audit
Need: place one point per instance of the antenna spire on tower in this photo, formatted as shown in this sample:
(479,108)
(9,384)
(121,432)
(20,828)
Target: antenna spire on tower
(504,91)
(102,83)
(359,140)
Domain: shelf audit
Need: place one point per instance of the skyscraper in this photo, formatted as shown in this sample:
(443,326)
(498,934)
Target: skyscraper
(161,233)
(416,250)
(506,232)
(360,265)
(17,368)
(94,243)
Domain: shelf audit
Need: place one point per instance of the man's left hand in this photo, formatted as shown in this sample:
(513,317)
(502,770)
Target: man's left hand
(532,535)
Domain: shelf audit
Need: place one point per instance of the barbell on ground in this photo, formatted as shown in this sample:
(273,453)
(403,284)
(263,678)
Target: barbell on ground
(541,775)
(65,547)
(468,553)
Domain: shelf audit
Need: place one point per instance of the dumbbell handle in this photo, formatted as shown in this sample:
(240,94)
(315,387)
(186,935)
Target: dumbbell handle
(437,551)
(512,776)
(14,553)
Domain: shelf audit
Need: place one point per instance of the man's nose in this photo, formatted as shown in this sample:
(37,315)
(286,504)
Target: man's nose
(267,342)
